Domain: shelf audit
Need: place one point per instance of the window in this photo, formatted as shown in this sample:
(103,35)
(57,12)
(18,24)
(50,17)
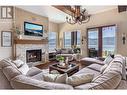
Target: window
(108,40)
(52,40)
(78,39)
(93,39)
(67,39)
(71,38)
(101,41)
(93,42)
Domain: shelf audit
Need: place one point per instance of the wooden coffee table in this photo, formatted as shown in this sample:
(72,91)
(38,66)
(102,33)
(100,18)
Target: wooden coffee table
(73,68)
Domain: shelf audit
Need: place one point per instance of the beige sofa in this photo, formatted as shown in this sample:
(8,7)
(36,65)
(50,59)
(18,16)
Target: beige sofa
(66,52)
(113,77)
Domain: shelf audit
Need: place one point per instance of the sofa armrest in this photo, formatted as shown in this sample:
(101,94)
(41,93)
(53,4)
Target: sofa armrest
(24,82)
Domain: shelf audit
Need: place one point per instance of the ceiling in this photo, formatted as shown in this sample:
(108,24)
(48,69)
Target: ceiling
(58,16)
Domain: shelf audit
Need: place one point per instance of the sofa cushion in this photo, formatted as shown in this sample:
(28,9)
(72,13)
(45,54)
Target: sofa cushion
(122,85)
(10,72)
(58,78)
(114,66)
(79,79)
(87,61)
(57,86)
(122,60)
(38,76)
(108,80)
(4,83)
(33,71)
(96,67)
(24,82)
(88,71)
(85,86)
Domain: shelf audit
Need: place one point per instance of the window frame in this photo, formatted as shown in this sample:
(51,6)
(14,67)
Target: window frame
(100,40)
(64,39)
(73,35)
(56,42)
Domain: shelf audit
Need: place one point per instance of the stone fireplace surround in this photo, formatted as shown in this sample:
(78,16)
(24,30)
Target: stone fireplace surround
(22,48)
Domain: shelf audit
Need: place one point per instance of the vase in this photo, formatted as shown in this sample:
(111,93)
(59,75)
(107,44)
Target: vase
(61,62)
(19,36)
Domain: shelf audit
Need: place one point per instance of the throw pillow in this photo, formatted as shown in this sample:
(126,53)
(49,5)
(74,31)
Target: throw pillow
(64,51)
(58,51)
(24,69)
(18,63)
(108,59)
(58,78)
(79,79)
(70,51)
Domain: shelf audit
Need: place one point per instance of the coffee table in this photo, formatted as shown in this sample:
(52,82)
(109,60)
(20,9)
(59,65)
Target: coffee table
(73,68)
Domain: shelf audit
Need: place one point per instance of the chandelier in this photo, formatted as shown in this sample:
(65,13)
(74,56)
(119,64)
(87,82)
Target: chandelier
(78,16)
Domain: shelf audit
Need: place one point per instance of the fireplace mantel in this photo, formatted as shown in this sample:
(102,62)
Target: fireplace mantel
(27,41)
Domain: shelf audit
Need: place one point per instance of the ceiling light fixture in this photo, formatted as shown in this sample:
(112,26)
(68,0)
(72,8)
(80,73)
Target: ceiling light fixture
(78,16)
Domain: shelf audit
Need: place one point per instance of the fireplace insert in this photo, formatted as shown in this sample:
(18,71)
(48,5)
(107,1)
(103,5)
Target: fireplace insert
(33,55)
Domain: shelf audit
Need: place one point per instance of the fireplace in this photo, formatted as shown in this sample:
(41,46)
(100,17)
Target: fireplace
(33,55)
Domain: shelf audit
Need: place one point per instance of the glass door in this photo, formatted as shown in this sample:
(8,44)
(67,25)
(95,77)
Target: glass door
(102,41)
(93,42)
(108,40)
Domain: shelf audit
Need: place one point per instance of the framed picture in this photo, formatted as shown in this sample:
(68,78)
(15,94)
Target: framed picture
(6,38)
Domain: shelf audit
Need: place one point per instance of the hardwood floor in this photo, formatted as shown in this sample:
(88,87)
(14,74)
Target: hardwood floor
(46,65)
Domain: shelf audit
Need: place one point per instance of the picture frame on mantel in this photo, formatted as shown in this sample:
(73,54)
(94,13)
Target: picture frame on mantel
(6,39)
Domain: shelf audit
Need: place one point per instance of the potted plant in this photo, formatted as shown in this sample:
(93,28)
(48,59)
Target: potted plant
(18,32)
(60,59)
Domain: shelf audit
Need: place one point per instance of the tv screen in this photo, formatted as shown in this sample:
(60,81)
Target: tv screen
(32,29)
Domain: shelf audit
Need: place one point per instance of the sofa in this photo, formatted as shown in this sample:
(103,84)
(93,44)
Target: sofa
(66,52)
(113,77)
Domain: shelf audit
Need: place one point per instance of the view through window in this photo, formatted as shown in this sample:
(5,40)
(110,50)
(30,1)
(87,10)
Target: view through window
(52,40)
(72,38)
(67,39)
(102,41)
(108,38)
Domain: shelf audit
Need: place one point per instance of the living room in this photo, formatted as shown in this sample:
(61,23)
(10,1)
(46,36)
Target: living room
(42,38)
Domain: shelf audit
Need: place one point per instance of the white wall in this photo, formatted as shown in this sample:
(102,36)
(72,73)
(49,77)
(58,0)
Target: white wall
(5,25)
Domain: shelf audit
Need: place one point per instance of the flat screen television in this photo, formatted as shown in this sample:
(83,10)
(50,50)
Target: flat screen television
(32,29)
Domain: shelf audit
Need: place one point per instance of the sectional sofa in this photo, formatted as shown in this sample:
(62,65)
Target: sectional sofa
(111,77)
